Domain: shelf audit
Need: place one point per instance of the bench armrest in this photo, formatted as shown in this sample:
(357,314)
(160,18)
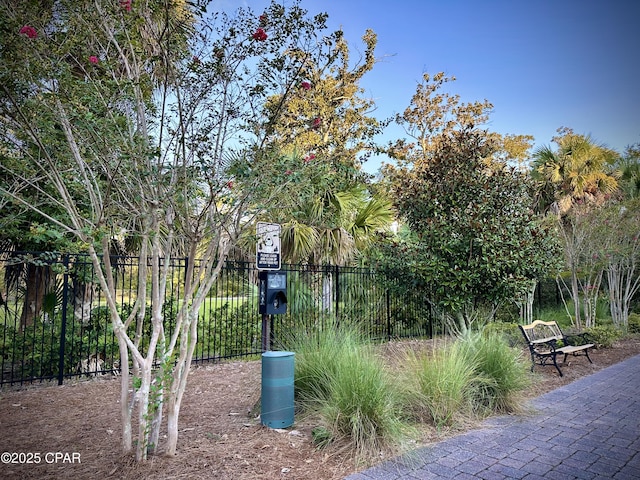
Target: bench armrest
(550,343)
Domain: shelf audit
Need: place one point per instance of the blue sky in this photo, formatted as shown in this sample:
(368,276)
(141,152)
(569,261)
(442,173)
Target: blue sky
(544,64)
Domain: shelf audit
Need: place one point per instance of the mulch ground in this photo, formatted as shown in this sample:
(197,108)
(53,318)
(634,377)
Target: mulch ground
(73,431)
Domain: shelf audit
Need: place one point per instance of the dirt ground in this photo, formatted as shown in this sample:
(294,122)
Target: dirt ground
(73,431)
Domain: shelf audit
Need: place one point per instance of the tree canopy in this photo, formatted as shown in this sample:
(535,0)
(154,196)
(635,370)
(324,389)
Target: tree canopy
(476,238)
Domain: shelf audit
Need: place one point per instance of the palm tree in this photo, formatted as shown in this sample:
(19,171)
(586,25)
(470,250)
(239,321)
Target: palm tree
(579,171)
(335,227)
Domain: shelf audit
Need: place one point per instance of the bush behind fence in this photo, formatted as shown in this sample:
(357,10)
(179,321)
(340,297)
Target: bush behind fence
(55,323)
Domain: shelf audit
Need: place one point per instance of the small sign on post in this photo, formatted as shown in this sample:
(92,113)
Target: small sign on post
(268,258)
(268,246)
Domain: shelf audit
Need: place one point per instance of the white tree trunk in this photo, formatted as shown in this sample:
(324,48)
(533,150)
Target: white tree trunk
(623,285)
(179,384)
(125,406)
(327,293)
(526,305)
(142,399)
(575,295)
(590,292)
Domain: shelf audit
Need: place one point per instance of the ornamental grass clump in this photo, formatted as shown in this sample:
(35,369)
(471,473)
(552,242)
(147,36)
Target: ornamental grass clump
(318,357)
(341,383)
(363,408)
(439,384)
(501,375)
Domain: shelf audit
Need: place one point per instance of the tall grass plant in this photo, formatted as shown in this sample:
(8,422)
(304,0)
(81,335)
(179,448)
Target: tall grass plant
(500,373)
(320,353)
(363,409)
(341,382)
(438,384)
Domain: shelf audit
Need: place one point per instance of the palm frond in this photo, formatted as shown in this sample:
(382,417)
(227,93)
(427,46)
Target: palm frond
(299,241)
(337,246)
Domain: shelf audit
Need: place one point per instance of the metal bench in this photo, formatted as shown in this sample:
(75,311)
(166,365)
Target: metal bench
(546,341)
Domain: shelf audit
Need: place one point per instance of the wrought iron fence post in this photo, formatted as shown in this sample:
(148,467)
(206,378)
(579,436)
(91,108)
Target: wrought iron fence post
(337,287)
(63,327)
(388,298)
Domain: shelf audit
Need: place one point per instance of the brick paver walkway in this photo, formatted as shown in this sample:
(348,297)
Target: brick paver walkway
(589,429)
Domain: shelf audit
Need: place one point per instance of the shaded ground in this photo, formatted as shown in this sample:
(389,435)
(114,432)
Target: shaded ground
(220,437)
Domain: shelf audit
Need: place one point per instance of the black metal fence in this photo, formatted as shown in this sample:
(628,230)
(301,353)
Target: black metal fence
(55,323)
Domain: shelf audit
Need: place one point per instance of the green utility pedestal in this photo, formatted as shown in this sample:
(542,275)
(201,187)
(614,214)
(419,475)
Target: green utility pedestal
(277,389)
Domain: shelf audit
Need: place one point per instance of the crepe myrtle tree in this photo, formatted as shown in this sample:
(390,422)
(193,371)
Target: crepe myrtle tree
(600,242)
(622,255)
(475,239)
(583,238)
(610,247)
(147,121)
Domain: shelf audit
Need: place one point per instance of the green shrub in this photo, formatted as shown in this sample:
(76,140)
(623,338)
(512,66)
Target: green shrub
(560,314)
(508,330)
(32,352)
(603,309)
(603,336)
(555,314)
(634,323)
(219,326)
